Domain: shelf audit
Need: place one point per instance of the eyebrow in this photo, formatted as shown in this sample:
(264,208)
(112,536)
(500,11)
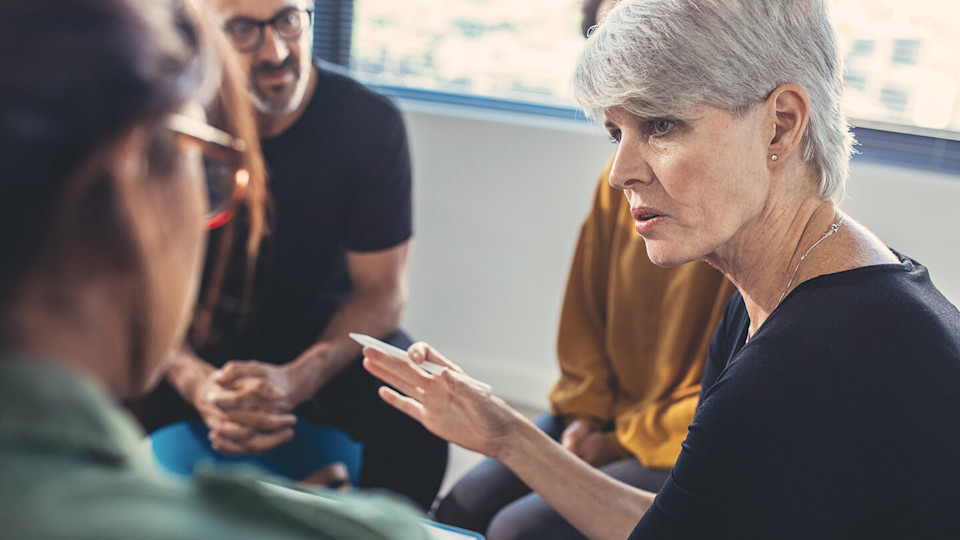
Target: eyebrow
(236,17)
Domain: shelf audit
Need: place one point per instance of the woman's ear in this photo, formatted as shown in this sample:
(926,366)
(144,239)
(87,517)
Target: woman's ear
(789,109)
(139,199)
(97,208)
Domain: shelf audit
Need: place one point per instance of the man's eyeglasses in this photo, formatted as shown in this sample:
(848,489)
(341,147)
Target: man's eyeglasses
(225,176)
(247,34)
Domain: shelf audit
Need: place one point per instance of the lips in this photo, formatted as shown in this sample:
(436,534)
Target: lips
(274,77)
(646,219)
(644,213)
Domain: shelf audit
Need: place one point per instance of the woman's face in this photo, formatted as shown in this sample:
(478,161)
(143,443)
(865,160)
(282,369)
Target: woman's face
(172,228)
(692,185)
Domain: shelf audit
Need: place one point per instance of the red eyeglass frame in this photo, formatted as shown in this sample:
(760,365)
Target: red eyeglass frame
(223,147)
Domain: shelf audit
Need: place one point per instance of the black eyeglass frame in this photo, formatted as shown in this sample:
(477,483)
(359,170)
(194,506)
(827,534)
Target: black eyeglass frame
(262,24)
(220,146)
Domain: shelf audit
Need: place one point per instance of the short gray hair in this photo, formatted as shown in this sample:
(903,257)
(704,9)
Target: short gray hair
(661,58)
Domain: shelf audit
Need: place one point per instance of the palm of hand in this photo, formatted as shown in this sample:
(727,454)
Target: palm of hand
(469,416)
(450,404)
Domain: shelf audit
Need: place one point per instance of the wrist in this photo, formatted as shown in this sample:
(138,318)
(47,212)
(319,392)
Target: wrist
(519,437)
(311,370)
(186,373)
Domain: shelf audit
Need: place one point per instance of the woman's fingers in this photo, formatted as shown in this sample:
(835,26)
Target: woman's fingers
(407,405)
(397,373)
(422,352)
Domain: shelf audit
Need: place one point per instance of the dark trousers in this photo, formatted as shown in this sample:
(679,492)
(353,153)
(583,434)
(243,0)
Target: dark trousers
(399,454)
(490,499)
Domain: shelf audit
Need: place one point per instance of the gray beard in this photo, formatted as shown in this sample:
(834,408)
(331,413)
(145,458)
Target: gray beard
(280,109)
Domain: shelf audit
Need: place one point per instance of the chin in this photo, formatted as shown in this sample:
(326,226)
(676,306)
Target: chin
(665,255)
(272,103)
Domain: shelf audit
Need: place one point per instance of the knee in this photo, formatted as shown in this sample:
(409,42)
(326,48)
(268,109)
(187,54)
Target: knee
(470,503)
(515,523)
(453,510)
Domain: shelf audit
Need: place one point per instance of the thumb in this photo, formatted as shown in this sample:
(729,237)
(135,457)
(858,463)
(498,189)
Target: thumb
(422,352)
(570,436)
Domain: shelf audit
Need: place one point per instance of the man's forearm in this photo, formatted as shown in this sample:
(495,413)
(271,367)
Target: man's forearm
(376,314)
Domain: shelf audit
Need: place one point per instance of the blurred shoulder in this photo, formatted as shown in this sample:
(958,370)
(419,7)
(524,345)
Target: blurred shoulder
(341,92)
(215,505)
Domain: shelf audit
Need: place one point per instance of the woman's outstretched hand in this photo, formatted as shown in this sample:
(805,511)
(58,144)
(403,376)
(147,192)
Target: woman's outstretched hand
(450,404)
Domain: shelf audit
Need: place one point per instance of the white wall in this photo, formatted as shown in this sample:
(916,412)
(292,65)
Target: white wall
(499,199)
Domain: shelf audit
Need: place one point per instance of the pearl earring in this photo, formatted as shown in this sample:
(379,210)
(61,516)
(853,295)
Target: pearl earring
(773,157)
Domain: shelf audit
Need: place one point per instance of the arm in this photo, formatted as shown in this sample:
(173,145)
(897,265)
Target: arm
(376,301)
(374,307)
(454,407)
(376,234)
(596,504)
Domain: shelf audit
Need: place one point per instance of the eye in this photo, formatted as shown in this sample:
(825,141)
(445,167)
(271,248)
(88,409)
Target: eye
(659,126)
(240,28)
(615,136)
(290,21)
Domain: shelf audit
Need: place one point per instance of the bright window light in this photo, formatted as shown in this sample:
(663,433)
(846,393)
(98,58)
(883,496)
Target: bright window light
(902,57)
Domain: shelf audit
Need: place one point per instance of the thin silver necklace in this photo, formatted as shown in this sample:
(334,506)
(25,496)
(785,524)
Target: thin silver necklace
(833,228)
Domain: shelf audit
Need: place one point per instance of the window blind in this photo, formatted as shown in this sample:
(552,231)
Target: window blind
(332,29)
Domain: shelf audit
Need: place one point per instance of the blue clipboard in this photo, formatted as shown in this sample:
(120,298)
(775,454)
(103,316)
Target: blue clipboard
(439,531)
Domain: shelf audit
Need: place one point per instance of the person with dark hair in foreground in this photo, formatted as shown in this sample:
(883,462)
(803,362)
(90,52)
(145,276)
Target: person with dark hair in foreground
(110,171)
(831,398)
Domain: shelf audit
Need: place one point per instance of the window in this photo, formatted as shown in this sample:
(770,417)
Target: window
(906,51)
(508,49)
(333,30)
(861,47)
(901,56)
(902,66)
(902,70)
(895,99)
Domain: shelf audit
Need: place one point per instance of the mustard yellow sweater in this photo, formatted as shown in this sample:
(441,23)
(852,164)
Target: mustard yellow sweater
(633,337)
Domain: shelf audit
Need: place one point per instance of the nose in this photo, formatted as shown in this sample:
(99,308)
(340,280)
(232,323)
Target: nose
(630,169)
(274,48)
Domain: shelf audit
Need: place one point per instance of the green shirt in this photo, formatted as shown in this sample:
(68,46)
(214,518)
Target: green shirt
(74,465)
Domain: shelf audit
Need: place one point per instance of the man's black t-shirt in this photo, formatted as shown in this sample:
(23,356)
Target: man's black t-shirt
(339,180)
(840,418)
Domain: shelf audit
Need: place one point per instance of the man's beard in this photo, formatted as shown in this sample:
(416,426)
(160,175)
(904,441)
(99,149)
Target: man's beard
(280,105)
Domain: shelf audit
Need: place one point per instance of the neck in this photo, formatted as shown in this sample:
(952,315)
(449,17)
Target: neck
(762,258)
(83,331)
(272,125)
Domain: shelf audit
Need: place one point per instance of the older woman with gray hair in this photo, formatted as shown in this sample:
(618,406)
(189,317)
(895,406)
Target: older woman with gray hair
(832,399)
